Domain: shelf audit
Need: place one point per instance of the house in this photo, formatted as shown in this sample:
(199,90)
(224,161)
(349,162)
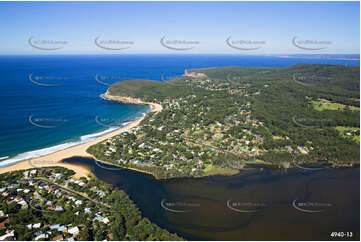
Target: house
(42,236)
(23,204)
(80,183)
(105,220)
(74,230)
(59,208)
(36,226)
(8,236)
(26,174)
(100,193)
(78,202)
(99,217)
(13,186)
(54,226)
(302,149)
(62,228)
(112,149)
(58,176)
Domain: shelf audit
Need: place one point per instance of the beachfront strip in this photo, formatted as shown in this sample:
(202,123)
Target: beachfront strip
(49,204)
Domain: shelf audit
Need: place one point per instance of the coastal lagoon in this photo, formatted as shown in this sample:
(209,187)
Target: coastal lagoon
(256,204)
(49,103)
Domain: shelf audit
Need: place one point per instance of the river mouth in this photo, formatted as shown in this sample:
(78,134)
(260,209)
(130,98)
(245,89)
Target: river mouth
(257,204)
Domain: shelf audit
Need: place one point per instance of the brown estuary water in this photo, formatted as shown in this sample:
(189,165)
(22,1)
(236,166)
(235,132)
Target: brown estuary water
(256,204)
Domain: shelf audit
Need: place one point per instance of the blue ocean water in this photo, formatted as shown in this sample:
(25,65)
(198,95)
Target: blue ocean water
(48,103)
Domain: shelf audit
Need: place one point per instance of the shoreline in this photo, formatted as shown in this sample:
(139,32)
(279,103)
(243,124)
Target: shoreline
(123,167)
(55,158)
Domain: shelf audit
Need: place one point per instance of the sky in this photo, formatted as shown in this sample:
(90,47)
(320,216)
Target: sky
(180,27)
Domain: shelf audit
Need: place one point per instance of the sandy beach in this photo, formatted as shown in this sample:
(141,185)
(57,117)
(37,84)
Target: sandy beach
(54,159)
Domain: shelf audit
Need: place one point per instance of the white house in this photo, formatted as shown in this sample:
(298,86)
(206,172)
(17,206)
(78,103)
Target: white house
(74,230)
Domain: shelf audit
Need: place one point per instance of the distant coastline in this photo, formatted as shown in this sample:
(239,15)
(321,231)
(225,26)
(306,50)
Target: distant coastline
(351,57)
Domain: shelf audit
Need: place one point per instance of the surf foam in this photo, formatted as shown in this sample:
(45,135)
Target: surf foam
(6,161)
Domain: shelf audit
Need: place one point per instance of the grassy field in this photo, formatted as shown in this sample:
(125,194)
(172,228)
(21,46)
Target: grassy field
(216,170)
(344,130)
(323,104)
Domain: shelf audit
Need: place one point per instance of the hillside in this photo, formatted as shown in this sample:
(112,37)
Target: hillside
(148,90)
(234,117)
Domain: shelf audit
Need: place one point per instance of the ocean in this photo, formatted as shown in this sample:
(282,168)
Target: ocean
(51,102)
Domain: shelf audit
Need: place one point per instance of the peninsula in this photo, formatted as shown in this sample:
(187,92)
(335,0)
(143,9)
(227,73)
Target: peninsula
(221,120)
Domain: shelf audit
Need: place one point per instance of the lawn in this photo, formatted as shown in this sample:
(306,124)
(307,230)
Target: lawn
(344,130)
(216,170)
(323,104)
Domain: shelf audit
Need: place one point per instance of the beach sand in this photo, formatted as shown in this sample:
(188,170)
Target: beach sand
(54,159)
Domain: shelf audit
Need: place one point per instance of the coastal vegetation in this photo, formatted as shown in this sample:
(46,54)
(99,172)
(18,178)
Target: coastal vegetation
(217,170)
(48,204)
(220,120)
